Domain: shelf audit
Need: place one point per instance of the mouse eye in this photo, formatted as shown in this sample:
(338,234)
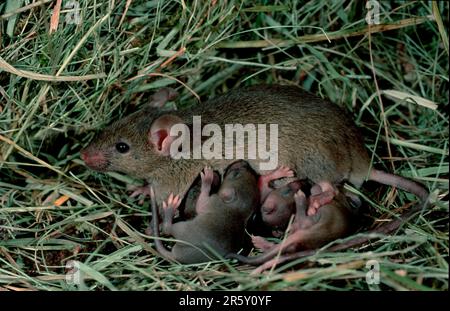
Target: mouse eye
(122,147)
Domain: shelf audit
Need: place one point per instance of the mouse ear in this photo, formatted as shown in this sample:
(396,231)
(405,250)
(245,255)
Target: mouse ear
(159,134)
(157,139)
(161,97)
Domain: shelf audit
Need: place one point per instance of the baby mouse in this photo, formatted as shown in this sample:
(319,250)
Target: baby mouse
(333,220)
(278,204)
(220,218)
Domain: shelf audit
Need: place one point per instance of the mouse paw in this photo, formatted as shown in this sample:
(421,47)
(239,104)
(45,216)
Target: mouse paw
(283,171)
(169,207)
(138,191)
(319,200)
(207,179)
(173,202)
(161,97)
(261,243)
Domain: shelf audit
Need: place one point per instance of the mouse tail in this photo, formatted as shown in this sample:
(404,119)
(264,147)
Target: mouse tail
(399,182)
(155,224)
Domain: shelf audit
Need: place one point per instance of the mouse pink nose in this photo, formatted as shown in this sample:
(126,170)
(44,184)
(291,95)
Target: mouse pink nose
(94,159)
(227,194)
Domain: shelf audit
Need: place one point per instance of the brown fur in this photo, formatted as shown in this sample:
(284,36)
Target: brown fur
(317,139)
(334,152)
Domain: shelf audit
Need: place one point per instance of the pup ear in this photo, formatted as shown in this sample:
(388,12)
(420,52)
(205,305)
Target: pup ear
(161,97)
(159,134)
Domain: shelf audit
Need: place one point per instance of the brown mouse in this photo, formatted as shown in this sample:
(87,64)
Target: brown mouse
(316,138)
(220,218)
(277,205)
(332,220)
(384,229)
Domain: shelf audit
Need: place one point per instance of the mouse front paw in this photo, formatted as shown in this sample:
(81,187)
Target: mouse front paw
(172,203)
(143,191)
(281,172)
(161,97)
